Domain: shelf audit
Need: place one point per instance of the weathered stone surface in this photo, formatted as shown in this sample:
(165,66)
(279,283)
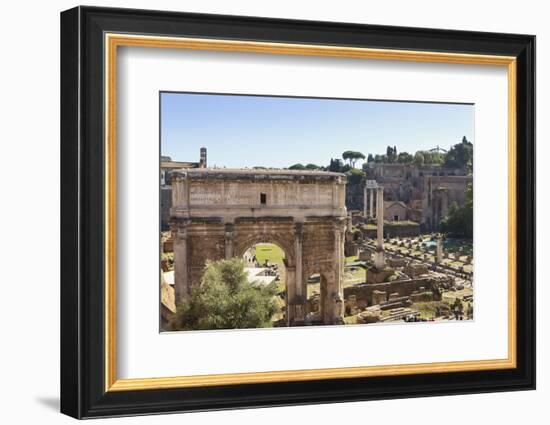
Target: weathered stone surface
(378,297)
(414,270)
(375,275)
(396,262)
(370,315)
(393,296)
(425,296)
(396,302)
(364,292)
(351,306)
(221,213)
(365,255)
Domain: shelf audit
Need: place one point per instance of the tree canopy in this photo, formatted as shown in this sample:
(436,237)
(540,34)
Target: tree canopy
(391,154)
(226,300)
(404,158)
(461,155)
(355,176)
(335,165)
(459,221)
(352,157)
(418,158)
(312,167)
(297,167)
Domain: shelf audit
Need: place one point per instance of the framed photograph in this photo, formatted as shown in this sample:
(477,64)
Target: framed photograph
(261,212)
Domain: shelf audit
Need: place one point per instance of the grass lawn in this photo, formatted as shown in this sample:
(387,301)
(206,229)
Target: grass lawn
(275,255)
(356,276)
(269,251)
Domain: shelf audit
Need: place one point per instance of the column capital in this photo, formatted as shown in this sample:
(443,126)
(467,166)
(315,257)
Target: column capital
(182,232)
(180,228)
(229,229)
(340,225)
(299,230)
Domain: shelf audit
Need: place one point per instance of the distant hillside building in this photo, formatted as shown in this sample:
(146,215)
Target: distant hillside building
(421,194)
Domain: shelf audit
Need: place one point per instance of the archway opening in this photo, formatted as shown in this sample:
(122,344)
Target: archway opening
(265,263)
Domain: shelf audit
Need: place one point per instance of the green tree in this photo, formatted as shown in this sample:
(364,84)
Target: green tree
(404,158)
(312,167)
(335,165)
(418,158)
(297,167)
(380,159)
(432,158)
(355,176)
(459,221)
(352,157)
(226,300)
(461,155)
(370,158)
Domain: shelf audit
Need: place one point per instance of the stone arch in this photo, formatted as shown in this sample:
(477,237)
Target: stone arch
(218,213)
(244,243)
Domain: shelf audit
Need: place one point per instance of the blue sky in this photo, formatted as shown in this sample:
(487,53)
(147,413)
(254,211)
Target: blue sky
(247,131)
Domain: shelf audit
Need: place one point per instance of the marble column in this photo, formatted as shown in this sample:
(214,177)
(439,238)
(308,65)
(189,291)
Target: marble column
(365,210)
(379,259)
(380,217)
(181,268)
(299,296)
(290,293)
(439,251)
(371,214)
(228,240)
(335,310)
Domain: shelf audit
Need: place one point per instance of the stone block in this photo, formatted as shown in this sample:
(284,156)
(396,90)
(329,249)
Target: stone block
(426,296)
(393,296)
(379,297)
(396,262)
(375,275)
(413,270)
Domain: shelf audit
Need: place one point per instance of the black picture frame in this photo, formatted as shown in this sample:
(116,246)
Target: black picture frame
(83,392)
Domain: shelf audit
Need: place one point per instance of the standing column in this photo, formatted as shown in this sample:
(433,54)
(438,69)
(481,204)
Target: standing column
(336,289)
(365,211)
(380,217)
(439,251)
(371,215)
(181,270)
(299,298)
(379,260)
(228,241)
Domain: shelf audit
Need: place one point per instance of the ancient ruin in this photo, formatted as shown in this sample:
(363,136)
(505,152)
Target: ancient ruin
(221,213)
(416,193)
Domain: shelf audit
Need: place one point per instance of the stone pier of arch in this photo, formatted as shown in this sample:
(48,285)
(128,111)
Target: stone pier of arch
(220,213)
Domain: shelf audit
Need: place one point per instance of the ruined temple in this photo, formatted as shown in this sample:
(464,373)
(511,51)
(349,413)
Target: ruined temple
(416,193)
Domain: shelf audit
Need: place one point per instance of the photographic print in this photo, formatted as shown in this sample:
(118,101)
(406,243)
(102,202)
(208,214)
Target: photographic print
(289,211)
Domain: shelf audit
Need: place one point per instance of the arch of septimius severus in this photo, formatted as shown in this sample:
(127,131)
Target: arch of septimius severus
(220,213)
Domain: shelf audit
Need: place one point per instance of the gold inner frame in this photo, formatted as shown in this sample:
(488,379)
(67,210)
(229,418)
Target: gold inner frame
(113,41)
